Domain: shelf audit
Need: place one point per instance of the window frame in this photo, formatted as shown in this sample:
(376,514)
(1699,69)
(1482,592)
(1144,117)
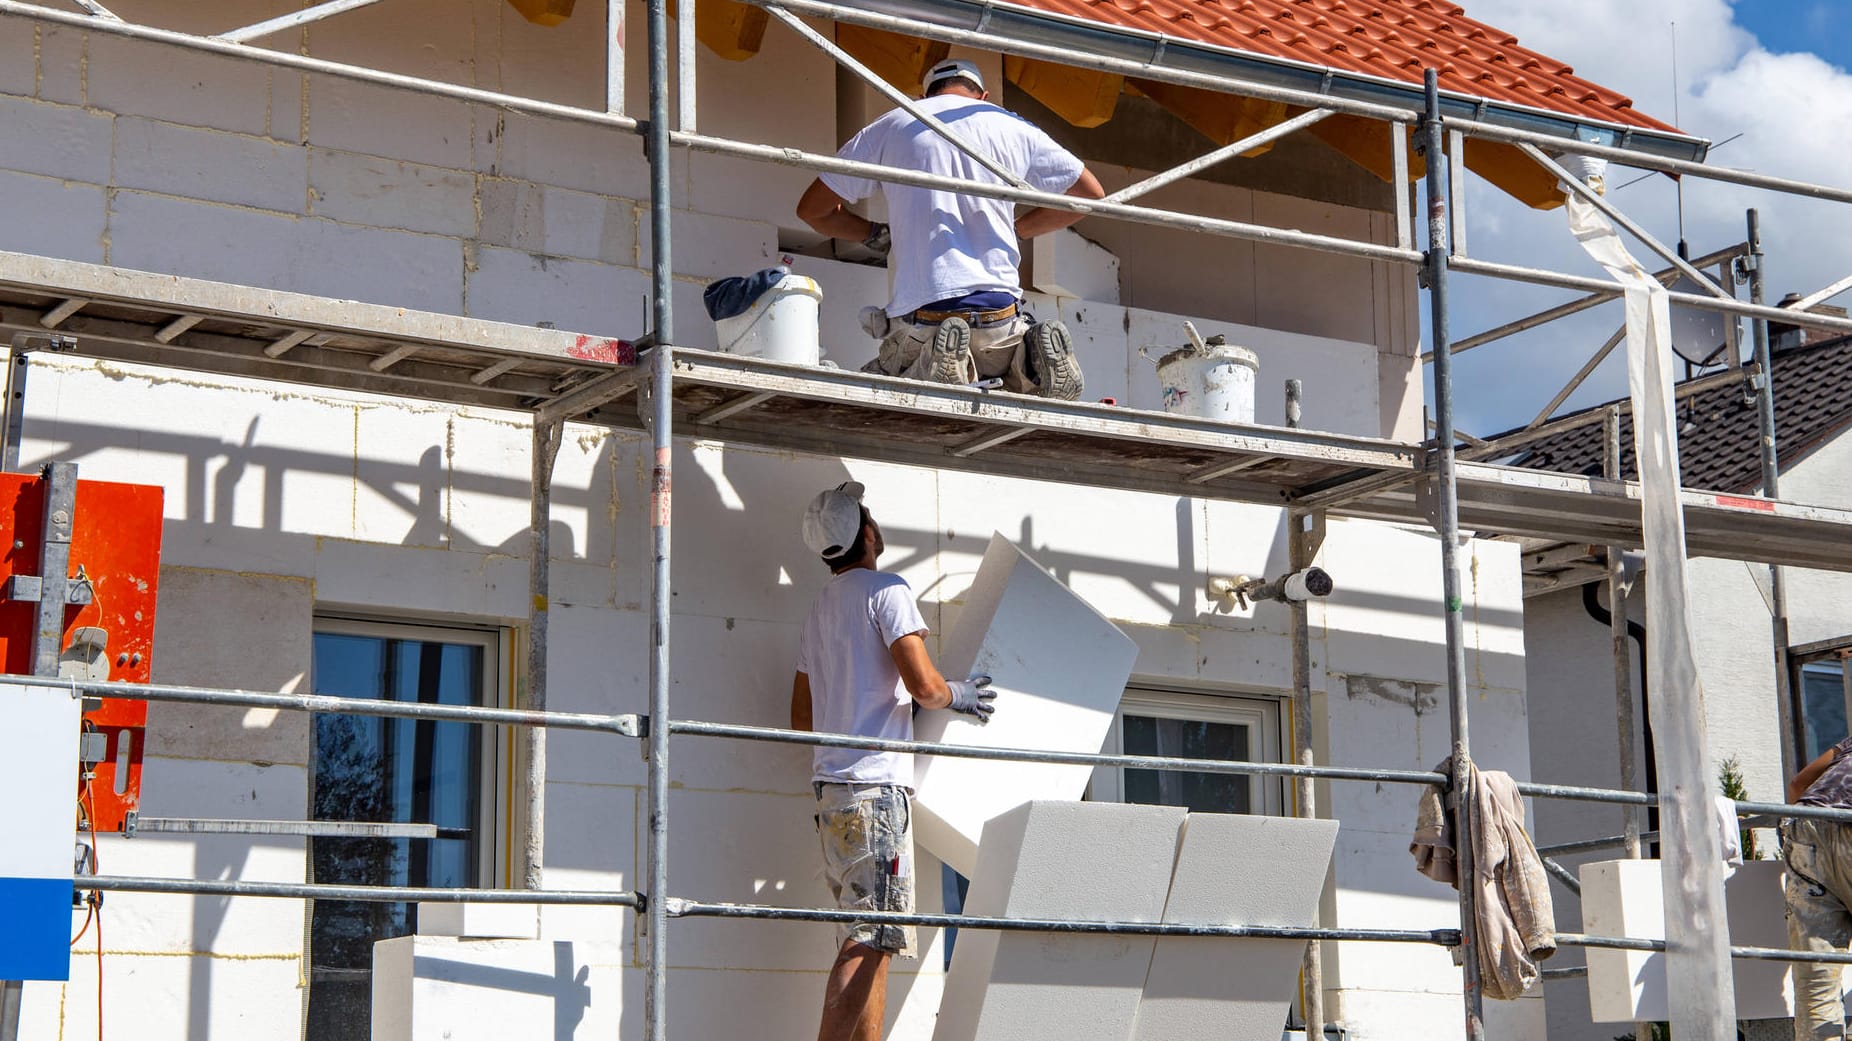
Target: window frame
(495,747)
(1833,655)
(1262,712)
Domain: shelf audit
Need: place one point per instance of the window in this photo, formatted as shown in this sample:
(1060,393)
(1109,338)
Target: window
(1175,724)
(1824,693)
(379,769)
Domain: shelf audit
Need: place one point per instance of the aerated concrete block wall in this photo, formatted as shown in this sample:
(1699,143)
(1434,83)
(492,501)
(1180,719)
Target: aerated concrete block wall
(285,501)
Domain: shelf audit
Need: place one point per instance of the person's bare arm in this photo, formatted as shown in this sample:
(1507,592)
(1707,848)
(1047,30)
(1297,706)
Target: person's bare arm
(800,701)
(828,214)
(1810,773)
(917,671)
(1041,220)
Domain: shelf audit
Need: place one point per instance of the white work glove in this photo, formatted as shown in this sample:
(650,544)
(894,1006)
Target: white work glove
(973,698)
(874,322)
(879,239)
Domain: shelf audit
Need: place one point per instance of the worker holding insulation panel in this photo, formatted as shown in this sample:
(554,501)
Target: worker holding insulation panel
(956,314)
(861,666)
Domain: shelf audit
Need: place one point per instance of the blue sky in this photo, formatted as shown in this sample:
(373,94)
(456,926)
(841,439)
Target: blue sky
(1772,71)
(1823,27)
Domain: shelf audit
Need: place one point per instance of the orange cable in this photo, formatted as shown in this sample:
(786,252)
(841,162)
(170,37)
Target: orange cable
(96,898)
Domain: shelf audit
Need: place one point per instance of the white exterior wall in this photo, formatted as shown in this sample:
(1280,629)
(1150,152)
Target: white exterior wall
(282,501)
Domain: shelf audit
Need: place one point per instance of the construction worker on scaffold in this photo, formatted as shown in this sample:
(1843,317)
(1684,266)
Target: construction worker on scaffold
(956,312)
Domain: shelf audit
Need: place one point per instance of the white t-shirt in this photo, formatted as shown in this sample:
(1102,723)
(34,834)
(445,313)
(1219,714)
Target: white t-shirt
(855,688)
(947,244)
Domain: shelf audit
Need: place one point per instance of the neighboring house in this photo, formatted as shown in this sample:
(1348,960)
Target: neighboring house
(1568,662)
(361,545)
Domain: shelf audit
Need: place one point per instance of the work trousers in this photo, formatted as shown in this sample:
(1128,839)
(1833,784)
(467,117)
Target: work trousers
(996,353)
(1819,892)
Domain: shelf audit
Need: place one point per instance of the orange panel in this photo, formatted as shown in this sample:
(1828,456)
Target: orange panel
(1222,118)
(900,60)
(116,541)
(544,12)
(1366,143)
(734,31)
(1083,97)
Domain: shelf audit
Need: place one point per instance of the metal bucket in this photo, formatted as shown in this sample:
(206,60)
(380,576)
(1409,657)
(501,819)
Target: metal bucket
(1214,382)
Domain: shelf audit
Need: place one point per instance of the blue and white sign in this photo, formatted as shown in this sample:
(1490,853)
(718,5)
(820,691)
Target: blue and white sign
(39,729)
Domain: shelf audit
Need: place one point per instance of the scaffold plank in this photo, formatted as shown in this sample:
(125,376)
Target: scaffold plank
(231,330)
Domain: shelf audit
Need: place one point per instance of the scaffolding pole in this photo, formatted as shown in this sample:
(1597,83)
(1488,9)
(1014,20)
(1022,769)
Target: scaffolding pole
(1448,523)
(1304,532)
(1788,708)
(659,401)
(545,449)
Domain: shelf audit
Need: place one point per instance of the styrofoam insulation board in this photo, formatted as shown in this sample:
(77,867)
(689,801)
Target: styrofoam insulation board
(1059,669)
(1626,898)
(1235,870)
(479,921)
(443,988)
(1077,860)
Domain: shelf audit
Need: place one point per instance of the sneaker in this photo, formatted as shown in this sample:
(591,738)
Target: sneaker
(951,352)
(1049,358)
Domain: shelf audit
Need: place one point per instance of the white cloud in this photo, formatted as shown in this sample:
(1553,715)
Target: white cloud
(1794,112)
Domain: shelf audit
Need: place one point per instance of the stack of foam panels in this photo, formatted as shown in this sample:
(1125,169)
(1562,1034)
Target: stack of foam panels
(1058,667)
(1626,898)
(1117,862)
(481,971)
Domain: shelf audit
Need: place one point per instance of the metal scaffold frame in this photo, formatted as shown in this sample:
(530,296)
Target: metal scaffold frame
(236,331)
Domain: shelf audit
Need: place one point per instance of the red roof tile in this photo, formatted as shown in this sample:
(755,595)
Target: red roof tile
(1392,39)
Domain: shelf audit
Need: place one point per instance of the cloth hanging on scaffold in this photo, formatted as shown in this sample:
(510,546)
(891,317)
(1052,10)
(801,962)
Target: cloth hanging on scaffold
(1514,921)
(1701,994)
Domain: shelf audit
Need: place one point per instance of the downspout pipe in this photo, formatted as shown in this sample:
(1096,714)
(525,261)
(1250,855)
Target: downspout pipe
(1591,602)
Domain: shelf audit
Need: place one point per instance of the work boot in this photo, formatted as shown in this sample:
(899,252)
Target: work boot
(1048,355)
(951,352)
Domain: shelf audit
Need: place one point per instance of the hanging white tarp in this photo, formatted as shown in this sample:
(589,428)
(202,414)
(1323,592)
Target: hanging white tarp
(1700,993)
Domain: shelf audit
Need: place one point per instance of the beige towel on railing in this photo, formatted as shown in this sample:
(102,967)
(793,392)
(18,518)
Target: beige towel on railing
(1514,922)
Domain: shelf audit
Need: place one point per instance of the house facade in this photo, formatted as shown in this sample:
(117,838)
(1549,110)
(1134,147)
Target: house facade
(1569,663)
(349,543)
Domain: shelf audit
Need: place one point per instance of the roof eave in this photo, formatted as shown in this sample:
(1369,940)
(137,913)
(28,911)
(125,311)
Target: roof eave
(1005,23)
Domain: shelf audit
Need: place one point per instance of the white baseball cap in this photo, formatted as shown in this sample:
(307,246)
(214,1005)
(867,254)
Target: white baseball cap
(834,519)
(955,68)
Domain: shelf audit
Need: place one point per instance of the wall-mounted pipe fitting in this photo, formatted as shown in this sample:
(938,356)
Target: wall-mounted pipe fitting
(1313,583)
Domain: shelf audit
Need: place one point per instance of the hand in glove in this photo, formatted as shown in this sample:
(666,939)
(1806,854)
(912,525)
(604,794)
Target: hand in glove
(973,697)
(878,238)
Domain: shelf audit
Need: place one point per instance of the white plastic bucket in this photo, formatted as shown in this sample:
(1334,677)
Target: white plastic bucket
(779,326)
(1217,384)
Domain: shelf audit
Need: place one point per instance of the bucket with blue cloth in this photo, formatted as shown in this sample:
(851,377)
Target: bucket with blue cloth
(770,314)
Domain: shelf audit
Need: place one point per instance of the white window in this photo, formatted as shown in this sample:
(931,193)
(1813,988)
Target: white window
(1174,723)
(390,770)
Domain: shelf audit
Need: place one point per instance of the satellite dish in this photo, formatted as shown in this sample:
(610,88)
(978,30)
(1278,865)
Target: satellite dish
(1698,336)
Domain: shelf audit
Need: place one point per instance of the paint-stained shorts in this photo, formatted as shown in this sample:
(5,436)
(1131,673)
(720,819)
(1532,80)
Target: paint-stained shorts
(867,834)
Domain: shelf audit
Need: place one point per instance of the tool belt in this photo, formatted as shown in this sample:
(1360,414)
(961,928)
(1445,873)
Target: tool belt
(975,318)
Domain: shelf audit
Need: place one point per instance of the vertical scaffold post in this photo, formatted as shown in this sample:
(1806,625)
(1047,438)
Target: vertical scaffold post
(1617,635)
(1304,533)
(661,416)
(1448,523)
(1793,737)
(539,586)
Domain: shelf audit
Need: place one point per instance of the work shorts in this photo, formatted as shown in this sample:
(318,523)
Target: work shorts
(867,835)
